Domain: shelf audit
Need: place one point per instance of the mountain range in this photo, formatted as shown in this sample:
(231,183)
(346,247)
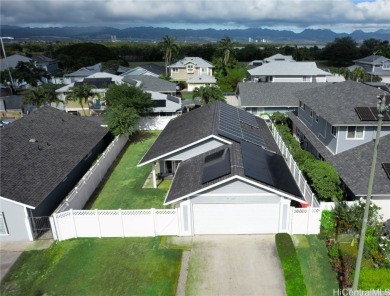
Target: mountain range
(191,35)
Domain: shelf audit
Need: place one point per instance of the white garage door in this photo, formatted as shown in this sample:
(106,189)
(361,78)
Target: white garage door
(235,218)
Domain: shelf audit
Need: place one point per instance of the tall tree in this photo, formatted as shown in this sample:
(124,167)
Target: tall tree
(81,94)
(341,52)
(208,94)
(169,47)
(225,47)
(125,104)
(29,73)
(40,96)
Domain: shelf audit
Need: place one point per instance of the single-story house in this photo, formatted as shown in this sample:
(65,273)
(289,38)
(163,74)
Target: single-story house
(43,156)
(260,98)
(228,174)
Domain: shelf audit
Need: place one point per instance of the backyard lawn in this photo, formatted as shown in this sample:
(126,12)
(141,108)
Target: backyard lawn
(319,277)
(123,189)
(105,266)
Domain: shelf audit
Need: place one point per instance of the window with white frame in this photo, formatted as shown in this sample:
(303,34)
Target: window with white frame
(203,70)
(355,132)
(386,65)
(190,68)
(334,130)
(317,117)
(175,70)
(3,225)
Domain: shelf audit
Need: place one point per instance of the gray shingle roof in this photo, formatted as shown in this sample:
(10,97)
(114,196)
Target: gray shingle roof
(31,170)
(12,61)
(372,59)
(354,167)
(288,69)
(272,94)
(151,83)
(199,63)
(336,102)
(202,79)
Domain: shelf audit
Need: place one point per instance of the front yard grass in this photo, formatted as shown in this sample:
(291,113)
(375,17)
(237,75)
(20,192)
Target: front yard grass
(123,189)
(106,266)
(319,277)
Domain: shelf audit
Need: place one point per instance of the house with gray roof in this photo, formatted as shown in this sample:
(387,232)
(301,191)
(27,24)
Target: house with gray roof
(43,156)
(229,176)
(261,98)
(287,71)
(338,122)
(374,65)
(200,81)
(12,61)
(148,69)
(151,83)
(82,73)
(190,67)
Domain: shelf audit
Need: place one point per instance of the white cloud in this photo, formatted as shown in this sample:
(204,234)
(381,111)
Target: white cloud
(331,14)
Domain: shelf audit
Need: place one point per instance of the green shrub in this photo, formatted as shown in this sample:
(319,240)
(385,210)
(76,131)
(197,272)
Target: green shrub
(327,226)
(374,279)
(295,284)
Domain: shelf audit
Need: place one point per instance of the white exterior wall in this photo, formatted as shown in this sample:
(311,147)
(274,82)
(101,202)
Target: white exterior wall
(16,220)
(154,123)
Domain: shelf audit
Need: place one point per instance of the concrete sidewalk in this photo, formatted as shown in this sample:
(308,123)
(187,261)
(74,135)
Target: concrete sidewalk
(10,252)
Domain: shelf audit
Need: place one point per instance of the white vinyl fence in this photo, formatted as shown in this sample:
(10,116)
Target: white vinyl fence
(80,194)
(115,223)
(305,220)
(295,171)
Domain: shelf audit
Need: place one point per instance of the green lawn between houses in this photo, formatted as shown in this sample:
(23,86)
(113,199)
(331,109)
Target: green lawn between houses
(319,277)
(104,266)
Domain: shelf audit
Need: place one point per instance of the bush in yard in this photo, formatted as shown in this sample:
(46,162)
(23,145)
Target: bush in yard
(295,284)
(327,226)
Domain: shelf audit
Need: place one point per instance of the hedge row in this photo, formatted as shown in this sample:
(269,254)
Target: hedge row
(373,278)
(295,283)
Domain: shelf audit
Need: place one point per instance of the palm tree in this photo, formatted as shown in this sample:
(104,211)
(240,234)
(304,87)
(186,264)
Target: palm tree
(225,46)
(208,94)
(169,47)
(81,94)
(359,74)
(40,96)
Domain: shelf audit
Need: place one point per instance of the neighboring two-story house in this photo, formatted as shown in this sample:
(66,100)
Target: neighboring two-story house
(375,65)
(334,120)
(287,71)
(190,67)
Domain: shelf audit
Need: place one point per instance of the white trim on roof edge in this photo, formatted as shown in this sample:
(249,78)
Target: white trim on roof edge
(235,177)
(183,147)
(16,202)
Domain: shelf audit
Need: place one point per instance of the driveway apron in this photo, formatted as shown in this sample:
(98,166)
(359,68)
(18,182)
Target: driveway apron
(234,265)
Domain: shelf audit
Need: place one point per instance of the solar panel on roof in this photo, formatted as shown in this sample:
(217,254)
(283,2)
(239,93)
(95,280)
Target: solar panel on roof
(386,167)
(370,114)
(216,165)
(267,167)
(237,125)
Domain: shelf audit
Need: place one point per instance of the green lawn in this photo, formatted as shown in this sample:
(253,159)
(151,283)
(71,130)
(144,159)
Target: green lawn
(319,277)
(107,266)
(123,189)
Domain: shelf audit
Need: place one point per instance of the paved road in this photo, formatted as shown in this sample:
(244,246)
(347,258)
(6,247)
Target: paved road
(241,265)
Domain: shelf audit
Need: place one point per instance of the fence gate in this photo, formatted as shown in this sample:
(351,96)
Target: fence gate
(41,228)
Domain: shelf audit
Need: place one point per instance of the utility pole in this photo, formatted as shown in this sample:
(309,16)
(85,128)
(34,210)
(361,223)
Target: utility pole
(6,62)
(382,109)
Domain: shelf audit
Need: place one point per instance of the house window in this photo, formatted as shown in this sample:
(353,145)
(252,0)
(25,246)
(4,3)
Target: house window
(355,132)
(334,130)
(317,118)
(311,113)
(3,225)
(306,78)
(190,68)
(386,66)
(203,70)
(175,70)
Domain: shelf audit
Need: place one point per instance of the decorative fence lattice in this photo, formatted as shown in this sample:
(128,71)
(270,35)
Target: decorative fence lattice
(115,223)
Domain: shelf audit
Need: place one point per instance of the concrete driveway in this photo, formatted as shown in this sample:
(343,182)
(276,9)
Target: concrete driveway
(234,265)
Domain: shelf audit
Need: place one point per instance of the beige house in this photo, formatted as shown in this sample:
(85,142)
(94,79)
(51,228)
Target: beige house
(190,67)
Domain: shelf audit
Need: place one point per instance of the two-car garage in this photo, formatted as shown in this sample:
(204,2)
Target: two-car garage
(235,218)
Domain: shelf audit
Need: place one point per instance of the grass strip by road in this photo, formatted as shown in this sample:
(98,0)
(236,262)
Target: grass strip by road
(319,277)
(123,189)
(295,285)
(107,266)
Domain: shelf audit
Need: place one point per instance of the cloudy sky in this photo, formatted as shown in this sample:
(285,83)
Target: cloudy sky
(296,15)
